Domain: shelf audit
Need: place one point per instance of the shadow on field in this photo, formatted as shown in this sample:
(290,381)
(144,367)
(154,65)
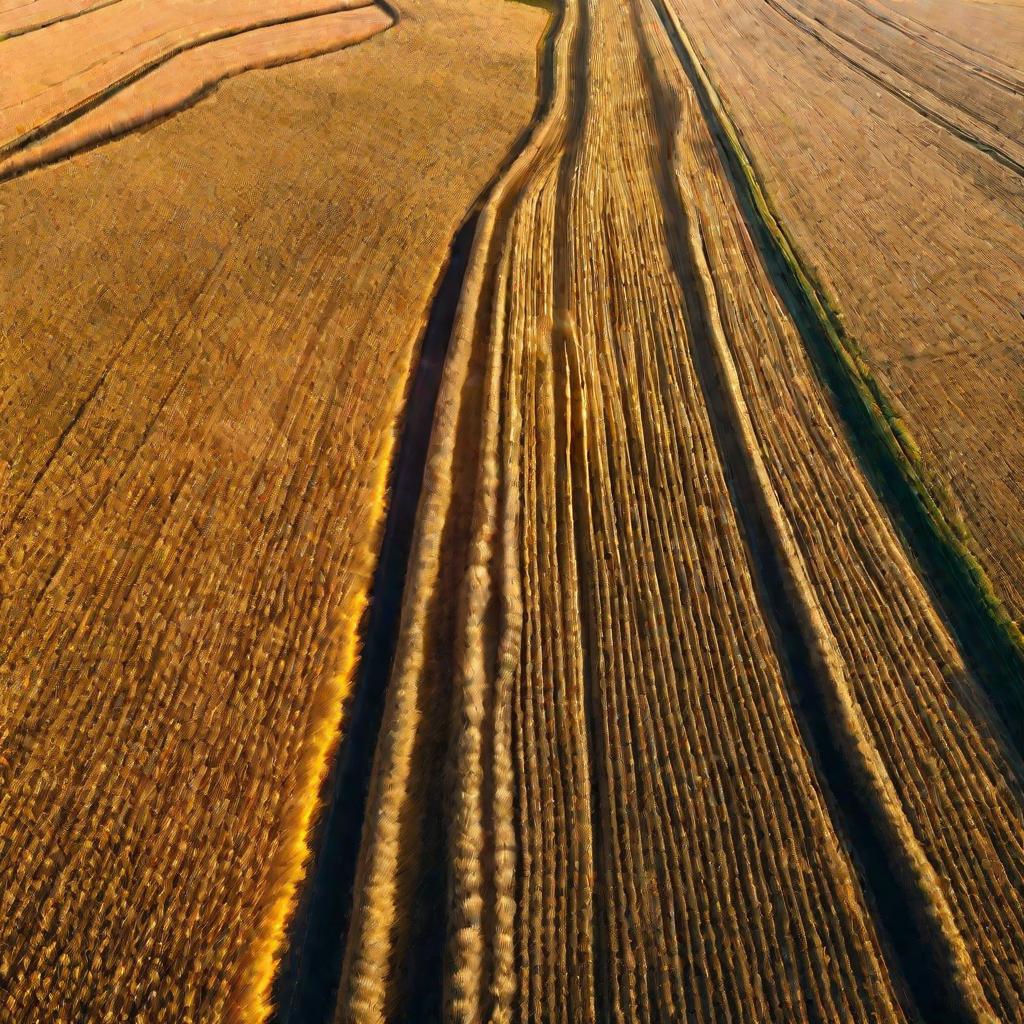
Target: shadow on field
(306,988)
(310,973)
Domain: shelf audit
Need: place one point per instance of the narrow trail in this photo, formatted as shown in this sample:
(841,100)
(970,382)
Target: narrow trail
(923,944)
(306,989)
(194,557)
(308,982)
(970,60)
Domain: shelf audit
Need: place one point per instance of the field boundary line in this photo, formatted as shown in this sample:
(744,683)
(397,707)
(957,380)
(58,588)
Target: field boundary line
(974,65)
(59,20)
(34,161)
(936,536)
(326,723)
(366,956)
(816,30)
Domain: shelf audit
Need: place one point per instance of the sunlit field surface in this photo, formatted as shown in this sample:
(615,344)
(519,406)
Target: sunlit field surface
(510,512)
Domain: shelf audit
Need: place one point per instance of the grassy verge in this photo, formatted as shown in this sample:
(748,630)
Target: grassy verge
(991,641)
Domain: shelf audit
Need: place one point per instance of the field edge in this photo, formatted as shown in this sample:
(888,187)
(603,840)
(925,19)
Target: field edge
(936,536)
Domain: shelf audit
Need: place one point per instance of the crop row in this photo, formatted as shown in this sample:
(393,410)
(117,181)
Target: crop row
(680,600)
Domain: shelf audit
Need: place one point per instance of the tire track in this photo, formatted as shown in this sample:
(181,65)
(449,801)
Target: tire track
(943,983)
(659,583)
(202,624)
(307,987)
(808,16)
(989,74)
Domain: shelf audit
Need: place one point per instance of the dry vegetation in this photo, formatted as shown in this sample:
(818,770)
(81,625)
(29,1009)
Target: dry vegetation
(674,558)
(678,727)
(890,137)
(206,331)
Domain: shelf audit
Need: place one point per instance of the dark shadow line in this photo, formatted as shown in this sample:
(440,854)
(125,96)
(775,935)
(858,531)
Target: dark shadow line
(928,113)
(975,618)
(200,94)
(979,69)
(73,16)
(310,974)
(308,980)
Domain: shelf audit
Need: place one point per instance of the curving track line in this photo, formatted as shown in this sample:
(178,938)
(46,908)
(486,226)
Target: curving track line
(186,78)
(971,64)
(28,29)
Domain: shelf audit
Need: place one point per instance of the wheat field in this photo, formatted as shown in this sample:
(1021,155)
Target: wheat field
(916,231)
(196,441)
(694,689)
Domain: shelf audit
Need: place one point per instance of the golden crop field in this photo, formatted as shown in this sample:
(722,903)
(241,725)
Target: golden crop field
(916,232)
(511,513)
(206,334)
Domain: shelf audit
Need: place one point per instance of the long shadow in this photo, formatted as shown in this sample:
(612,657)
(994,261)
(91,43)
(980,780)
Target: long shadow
(308,981)
(929,114)
(919,961)
(306,988)
(60,19)
(67,117)
(977,619)
(194,98)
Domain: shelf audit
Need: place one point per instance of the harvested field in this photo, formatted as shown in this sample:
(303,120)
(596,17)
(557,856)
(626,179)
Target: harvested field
(60,70)
(689,688)
(205,336)
(181,80)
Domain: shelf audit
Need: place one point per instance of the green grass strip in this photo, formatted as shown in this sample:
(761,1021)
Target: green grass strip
(992,642)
